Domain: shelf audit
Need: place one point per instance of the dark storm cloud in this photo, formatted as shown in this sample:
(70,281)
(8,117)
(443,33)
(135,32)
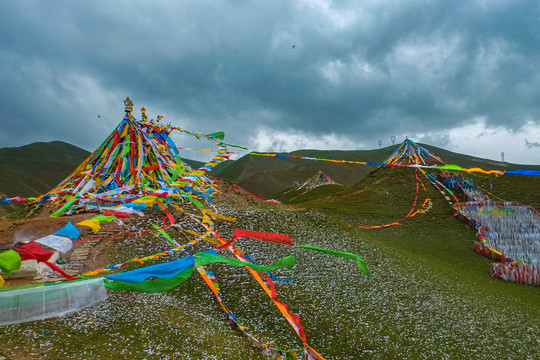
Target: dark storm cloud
(363,71)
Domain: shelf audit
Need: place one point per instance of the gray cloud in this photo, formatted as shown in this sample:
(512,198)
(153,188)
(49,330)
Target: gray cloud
(362,71)
(532,144)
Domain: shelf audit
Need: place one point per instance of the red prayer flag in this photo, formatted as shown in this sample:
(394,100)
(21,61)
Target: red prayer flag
(32,250)
(277,238)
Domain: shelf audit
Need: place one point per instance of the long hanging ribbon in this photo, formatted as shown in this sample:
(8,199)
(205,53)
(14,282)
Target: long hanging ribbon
(425,207)
(277,238)
(359,262)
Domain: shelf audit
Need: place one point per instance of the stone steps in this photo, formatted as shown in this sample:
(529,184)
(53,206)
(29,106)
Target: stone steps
(78,257)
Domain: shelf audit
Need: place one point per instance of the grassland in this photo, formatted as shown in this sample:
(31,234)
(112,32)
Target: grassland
(429,296)
(34,169)
(268,176)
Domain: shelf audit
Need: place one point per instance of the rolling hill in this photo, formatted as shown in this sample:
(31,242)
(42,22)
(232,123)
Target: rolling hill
(268,176)
(429,296)
(34,169)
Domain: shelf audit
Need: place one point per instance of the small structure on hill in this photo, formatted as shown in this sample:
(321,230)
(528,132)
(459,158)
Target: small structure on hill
(317,180)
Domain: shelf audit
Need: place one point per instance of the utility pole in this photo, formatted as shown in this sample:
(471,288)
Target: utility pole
(380,143)
(393,138)
(502,155)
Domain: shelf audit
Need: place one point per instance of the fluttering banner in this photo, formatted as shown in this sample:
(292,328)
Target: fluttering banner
(449,167)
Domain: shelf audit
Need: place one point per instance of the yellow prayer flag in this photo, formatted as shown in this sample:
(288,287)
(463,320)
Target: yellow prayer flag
(217,216)
(92,224)
(147,200)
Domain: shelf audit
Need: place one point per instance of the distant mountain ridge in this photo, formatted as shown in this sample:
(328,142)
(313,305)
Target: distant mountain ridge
(34,169)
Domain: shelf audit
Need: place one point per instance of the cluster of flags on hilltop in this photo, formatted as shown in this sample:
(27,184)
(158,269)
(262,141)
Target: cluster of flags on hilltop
(138,158)
(409,153)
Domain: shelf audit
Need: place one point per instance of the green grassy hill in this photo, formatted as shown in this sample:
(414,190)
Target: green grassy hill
(432,254)
(270,176)
(386,195)
(295,195)
(429,296)
(267,176)
(34,169)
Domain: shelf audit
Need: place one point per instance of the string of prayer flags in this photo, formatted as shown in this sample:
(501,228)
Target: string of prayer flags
(173,268)
(359,262)
(416,162)
(165,235)
(212,283)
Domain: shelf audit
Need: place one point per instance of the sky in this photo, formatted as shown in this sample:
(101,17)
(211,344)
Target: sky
(277,75)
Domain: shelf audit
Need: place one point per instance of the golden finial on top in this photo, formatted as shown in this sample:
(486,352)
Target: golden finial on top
(144,117)
(129,107)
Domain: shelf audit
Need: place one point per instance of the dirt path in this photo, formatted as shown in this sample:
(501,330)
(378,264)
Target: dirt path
(15,231)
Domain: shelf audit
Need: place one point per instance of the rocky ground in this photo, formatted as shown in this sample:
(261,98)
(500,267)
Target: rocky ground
(408,309)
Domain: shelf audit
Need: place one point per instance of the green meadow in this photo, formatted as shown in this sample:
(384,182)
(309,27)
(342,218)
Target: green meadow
(429,296)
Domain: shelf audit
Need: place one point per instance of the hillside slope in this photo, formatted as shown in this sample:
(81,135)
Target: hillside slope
(269,176)
(34,169)
(469,161)
(429,296)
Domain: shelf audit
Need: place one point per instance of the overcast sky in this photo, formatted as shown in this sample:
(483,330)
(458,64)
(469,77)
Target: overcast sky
(277,75)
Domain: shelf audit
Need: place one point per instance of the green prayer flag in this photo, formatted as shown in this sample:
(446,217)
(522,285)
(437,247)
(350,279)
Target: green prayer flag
(218,135)
(195,202)
(449,167)
(103,218)
(9,261)
(204,258)
(162,232)
(63,208)
(151,286)
(236,146)
(359,262)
